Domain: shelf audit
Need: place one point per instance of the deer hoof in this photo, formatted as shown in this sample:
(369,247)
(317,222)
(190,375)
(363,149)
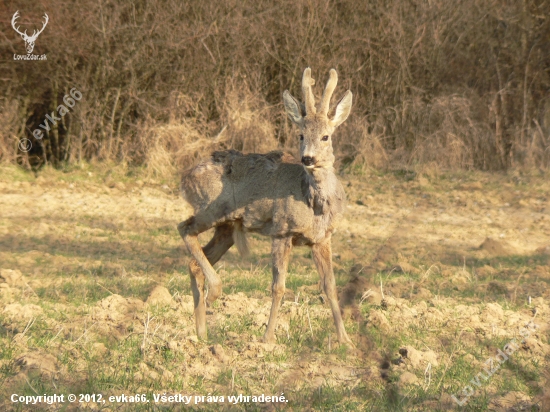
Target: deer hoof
(346,341)
(269,339)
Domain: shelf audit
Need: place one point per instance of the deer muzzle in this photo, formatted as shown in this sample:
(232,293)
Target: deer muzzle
(308,161)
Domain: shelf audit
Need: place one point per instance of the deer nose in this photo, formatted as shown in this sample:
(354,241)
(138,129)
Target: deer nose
(308,161)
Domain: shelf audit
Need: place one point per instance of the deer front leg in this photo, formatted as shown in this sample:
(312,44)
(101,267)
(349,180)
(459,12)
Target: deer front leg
(214,250)
(189,231)
(322,256)
(280,254)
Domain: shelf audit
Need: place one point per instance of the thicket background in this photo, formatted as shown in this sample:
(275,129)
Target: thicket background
(453,83)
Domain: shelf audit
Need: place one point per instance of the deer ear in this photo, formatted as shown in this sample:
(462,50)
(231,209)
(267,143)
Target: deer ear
(342,109)
(293,108)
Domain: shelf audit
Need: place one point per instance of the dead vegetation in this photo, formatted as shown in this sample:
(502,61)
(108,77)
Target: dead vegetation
(457,84)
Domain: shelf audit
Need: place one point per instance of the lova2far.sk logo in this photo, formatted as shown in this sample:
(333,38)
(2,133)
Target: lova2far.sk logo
(29,40)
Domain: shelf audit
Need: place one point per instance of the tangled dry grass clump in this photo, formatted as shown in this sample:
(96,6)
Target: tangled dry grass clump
(462,84)
(174,146)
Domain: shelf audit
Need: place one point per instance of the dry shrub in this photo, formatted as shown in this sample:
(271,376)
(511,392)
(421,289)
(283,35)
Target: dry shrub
(173,147)
(448,132)
(247,121)
(9,116)
(170,148)
(359,149)
(463,84)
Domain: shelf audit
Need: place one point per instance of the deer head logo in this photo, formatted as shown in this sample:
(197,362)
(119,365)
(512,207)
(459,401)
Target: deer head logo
(29,40)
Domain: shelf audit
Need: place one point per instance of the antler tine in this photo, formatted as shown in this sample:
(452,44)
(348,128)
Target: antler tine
(14,18)
(35,34)
(307,82)
(47,19)
(327,94)
(14,21)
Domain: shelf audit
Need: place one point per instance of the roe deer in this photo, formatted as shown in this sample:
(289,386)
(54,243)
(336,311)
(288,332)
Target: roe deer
(270,194)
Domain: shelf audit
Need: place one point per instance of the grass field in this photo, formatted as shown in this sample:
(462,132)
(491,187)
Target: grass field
(437,273)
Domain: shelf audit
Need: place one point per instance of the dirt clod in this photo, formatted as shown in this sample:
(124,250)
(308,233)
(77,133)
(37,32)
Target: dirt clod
(418,359)
(44,364)
(11,277)
(512,401)
(407,378)
(495,247)
(117,308)
(218,352)
(18,313)
(379,320)
(160,296)
(99,349)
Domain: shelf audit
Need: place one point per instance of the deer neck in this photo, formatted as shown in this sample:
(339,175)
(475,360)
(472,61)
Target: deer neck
(322,189)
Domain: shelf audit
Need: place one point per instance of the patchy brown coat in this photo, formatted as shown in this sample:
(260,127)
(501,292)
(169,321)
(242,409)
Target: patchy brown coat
(269,194)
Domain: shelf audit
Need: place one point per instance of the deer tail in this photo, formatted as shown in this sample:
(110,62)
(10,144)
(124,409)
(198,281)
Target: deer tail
(239,237)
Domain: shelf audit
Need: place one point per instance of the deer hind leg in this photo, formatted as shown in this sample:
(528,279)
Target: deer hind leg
(214,250)
(197,288)
(322,256)
(280,253)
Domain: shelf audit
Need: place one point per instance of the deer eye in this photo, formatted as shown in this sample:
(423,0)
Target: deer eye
(301,137)
(324,138)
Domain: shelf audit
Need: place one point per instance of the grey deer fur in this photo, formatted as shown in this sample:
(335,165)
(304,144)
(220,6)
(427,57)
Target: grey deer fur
(270,194)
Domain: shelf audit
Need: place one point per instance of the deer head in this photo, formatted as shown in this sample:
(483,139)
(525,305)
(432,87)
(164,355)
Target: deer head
(316,127)
(29,40)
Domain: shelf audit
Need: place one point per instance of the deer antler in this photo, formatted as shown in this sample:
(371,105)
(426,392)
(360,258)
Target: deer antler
(307,82)
(35,33)
(25,35)
(13,21)
(327,94)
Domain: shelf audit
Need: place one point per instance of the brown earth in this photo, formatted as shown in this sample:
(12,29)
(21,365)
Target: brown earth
(430,272)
